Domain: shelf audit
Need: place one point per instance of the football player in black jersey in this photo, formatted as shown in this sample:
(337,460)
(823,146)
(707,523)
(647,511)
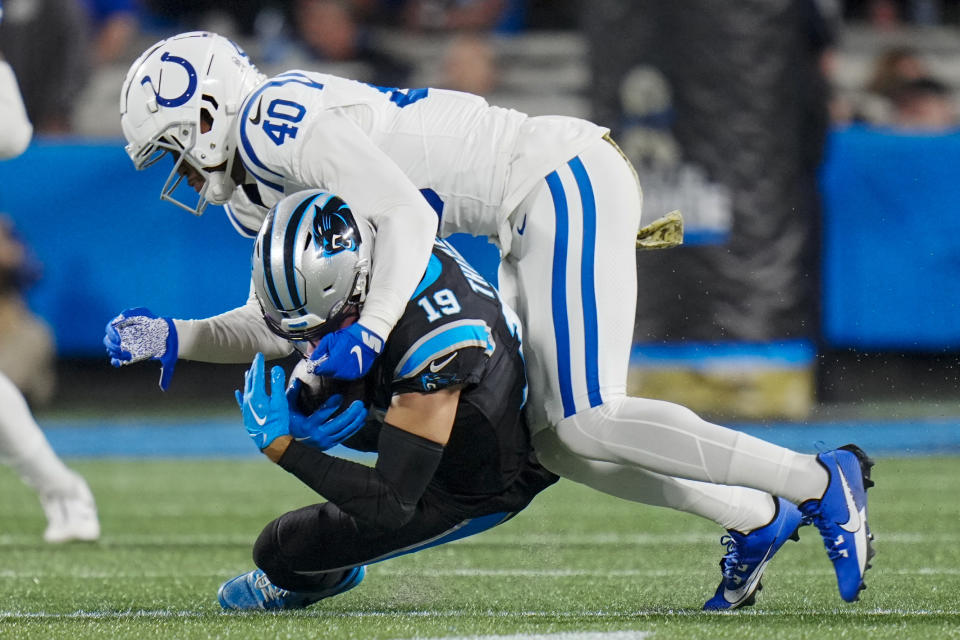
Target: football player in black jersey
(454,454)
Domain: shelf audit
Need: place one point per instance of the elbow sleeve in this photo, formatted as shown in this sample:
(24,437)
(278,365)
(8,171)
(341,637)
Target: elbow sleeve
(406,463)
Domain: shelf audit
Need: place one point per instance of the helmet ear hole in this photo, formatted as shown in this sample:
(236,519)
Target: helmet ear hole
(206,120)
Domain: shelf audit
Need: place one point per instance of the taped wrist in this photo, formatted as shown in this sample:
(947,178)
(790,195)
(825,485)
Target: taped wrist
(384,496)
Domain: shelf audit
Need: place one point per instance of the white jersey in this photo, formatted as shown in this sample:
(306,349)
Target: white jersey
(472,162)
(416,163)
(15,128)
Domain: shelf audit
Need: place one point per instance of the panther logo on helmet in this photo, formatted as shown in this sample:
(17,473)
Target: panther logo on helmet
(334,227)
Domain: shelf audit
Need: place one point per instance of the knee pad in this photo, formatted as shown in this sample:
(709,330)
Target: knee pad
(583,434)
(551,453)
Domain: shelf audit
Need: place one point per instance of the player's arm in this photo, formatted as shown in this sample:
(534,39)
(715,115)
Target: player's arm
(338,154)
(137,334)
(415,430)
(231,337)
(15,127)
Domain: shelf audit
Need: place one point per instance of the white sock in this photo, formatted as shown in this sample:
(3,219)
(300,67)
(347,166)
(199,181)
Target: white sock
(737,508)
(24,447)
(672,440)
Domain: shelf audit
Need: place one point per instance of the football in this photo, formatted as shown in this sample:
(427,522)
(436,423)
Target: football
(315,390)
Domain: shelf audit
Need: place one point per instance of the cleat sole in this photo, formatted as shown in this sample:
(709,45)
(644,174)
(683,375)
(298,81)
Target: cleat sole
(866,464)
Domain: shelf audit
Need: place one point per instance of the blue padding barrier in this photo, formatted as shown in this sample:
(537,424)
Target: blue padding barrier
(107,242)
(891,240)
(225,437)
(786,354)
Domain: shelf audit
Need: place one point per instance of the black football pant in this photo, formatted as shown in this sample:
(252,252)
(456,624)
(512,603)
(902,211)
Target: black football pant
(312,548)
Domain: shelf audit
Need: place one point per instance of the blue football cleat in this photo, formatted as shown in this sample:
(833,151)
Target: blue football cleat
(253,591)
(747,556)
(841,517)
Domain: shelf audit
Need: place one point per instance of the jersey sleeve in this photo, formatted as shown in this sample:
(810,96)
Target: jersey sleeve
(244,215)
(15,127)
(232,337)
(338,154)
(453,354)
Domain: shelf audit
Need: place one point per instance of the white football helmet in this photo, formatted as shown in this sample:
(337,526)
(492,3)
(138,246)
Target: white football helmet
(176,89)
(311,264)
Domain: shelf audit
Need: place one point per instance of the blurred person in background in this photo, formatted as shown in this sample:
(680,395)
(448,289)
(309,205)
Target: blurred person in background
(503,16)
(333,31)
(27,352)
(65,497)
(924,105)
(469,64)
(47,44)
(891,68)
(236,16)
(114,25)
(890,15)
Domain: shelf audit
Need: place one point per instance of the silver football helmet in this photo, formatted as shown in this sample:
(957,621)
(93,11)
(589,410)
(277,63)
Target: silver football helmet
(182,97)
(311,263)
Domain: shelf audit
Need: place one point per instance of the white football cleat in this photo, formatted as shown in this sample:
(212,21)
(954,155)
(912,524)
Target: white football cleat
(71,514)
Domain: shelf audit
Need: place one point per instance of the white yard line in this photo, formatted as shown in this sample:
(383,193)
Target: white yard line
(600,539)
(428,572)
(570,635)
(500,615)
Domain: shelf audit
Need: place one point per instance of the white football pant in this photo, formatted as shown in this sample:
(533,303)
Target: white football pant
(571,275)
(24,447)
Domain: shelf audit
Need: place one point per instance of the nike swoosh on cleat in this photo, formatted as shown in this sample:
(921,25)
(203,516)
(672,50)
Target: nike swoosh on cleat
(737,594)
(356,350)
(853,514)
(434,367)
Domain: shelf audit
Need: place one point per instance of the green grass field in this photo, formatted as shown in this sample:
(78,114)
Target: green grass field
(575,565)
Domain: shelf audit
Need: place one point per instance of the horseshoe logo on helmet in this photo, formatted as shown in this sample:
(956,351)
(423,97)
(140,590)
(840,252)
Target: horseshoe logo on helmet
(191,82)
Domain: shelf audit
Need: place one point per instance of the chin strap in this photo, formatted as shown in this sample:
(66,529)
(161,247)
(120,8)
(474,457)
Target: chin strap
(220,186)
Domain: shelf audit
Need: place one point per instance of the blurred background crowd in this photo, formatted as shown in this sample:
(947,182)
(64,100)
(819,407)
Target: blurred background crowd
(889,61)
(805,141)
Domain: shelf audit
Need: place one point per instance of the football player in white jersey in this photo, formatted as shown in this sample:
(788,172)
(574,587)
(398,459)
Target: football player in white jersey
(66,498)
(563,205)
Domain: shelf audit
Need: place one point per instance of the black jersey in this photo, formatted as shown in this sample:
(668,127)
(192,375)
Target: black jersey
(455,331)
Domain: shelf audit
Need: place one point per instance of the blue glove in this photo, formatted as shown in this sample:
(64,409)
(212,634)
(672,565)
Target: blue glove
(346,354)
(137,334)
(266,417)
(320,430)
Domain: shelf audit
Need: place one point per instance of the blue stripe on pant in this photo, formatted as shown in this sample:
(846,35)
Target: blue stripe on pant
(559,292)
(589,293)
(588,289)
(465,529)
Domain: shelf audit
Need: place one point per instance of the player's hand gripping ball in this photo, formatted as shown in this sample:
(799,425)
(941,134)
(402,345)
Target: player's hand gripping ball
(314,391)
(324,411)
